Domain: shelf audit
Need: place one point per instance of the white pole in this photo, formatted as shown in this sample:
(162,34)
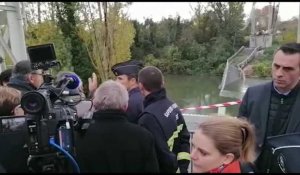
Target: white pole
(253,22)
(16,32)
(270,18)
(221,110)
(298,33)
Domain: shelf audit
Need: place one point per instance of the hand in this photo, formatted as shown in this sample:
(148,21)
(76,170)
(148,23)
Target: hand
(18,110)
(93,83)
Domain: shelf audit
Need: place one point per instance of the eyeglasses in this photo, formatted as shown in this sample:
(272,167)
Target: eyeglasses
(36,73)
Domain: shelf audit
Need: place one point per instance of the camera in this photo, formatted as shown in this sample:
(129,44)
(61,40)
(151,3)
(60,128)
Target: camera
(50,119)
(42,56)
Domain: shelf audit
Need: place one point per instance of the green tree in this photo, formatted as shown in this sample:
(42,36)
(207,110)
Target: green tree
(289,36)
(108,38)
(228,18)
(200,45)
(48,32)
(137,52)
(203,24)
(67,21)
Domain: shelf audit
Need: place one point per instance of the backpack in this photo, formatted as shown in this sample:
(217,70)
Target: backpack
(284,151)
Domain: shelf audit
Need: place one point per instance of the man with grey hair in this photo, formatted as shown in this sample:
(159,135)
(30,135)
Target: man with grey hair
(111,96)
(112,143)
(25,79)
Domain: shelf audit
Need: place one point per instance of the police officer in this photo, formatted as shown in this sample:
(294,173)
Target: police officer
(127,74)
(164,120)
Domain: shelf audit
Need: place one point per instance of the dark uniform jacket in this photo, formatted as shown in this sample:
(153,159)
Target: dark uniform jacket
(135,105)
(112,144)
(20,84)
(255,107)
(165,121)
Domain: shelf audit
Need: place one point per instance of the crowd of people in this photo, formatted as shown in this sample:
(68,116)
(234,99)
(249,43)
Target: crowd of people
(136,128)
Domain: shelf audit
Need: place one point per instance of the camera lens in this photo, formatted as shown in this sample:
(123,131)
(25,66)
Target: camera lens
(33,102)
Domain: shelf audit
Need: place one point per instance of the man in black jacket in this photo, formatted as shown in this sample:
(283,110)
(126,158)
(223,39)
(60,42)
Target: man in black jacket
(164,120)
(24,78)
(111,143)
(127,74)
(273,107)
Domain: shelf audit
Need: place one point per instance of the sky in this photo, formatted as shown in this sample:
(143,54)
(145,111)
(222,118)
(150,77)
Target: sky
(157,10)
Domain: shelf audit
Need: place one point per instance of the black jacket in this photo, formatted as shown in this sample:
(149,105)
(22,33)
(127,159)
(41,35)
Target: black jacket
(112,144)
(2,170)
(19,83)
(255,107)
(135,105)
(165,121)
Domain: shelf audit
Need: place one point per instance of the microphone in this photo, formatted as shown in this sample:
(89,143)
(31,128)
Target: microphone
(72,81)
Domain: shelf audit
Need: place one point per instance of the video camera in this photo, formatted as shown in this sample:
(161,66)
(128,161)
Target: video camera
(50,119)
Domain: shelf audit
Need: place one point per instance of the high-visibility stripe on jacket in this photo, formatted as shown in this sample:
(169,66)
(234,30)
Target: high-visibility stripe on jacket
(172,124)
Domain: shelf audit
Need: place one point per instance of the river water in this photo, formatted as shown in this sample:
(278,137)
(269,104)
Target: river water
(192,91)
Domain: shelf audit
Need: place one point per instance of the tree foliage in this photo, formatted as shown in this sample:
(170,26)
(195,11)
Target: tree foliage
(96,35)
(202,44)
(82,42)
(107,38)
(68,23)
(48,32)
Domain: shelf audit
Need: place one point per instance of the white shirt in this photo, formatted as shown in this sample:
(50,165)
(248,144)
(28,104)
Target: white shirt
(285,93)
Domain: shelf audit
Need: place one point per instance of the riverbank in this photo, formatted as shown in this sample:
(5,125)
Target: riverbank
(261,67)
(258,70)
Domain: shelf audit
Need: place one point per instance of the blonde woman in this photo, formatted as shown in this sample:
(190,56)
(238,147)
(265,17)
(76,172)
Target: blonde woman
(221,144)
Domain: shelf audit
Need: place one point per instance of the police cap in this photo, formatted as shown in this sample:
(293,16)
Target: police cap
(127,67)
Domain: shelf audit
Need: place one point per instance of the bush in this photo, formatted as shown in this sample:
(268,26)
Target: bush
(263,69)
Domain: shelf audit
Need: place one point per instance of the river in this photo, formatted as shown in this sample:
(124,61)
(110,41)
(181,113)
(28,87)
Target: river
(192,91)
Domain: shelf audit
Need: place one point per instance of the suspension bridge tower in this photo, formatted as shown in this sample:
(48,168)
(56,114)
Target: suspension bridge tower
(263,38)
(12,38)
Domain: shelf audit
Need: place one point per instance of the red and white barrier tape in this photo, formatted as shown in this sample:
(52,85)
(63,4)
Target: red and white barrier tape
(231,103)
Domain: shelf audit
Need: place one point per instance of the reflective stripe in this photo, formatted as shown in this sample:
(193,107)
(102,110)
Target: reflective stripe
(174,136)
(183,155)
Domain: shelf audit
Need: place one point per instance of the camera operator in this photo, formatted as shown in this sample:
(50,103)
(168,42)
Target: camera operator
(24,78)
(50,116)
(112,143)
(5,76)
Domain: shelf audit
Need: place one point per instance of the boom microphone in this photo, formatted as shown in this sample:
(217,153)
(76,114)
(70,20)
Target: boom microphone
(73,81)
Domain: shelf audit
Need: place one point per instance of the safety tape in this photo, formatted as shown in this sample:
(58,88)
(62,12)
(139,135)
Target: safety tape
(226,104)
